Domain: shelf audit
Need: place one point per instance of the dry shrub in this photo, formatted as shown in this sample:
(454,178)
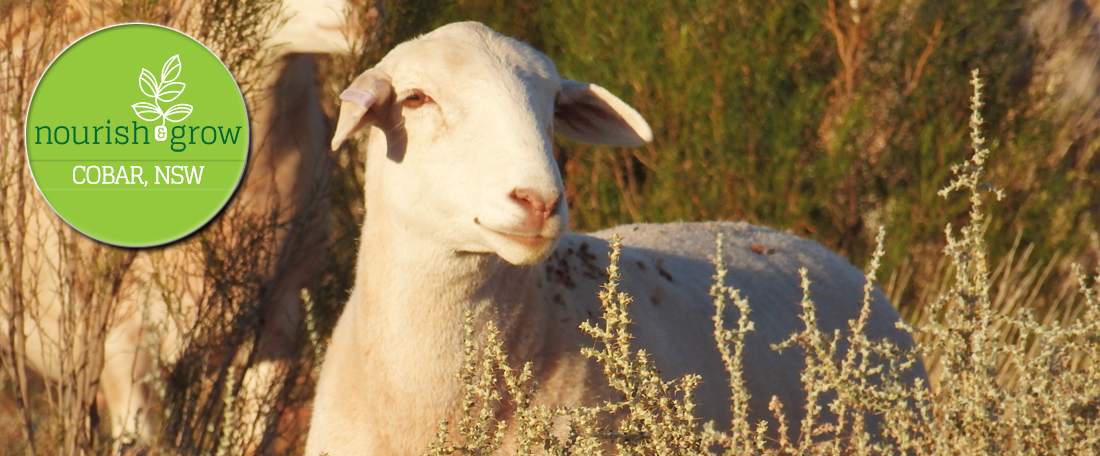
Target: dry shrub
(1006,381)
(37,248)
(210,284)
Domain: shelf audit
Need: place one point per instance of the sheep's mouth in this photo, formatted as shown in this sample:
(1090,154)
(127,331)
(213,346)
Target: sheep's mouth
(530,240)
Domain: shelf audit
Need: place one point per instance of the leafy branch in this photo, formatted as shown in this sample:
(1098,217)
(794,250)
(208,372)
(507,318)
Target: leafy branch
(166,90)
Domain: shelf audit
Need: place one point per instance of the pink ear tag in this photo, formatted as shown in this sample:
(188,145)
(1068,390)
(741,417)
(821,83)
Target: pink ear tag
(358,96)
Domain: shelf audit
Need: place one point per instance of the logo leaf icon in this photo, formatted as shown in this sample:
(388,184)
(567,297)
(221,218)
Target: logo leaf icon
(171,70)
(171,91)
(178,112)
(166,90)
(147,111)
(148,84)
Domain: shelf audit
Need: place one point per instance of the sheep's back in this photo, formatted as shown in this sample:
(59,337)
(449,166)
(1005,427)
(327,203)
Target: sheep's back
(667,270)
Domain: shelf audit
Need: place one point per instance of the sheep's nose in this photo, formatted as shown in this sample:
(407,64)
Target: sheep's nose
(536,206)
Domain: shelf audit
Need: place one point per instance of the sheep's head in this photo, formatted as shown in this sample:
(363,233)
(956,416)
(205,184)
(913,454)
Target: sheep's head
(466,118)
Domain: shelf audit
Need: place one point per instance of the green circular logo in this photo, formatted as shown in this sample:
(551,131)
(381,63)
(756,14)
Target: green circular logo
(137,135)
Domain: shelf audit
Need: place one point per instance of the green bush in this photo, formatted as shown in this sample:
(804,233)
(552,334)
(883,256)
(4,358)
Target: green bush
(828,120)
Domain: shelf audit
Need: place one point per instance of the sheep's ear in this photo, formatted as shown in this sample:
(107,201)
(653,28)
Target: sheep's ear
(589,113)
(363,104)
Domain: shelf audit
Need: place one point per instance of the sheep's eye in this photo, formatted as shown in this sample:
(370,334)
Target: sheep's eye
(416,99)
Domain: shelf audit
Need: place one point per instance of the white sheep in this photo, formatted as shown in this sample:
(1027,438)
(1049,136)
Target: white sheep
(465,213)
(288,166)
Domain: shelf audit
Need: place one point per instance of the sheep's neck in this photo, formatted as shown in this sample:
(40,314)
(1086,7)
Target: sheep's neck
(412,300)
